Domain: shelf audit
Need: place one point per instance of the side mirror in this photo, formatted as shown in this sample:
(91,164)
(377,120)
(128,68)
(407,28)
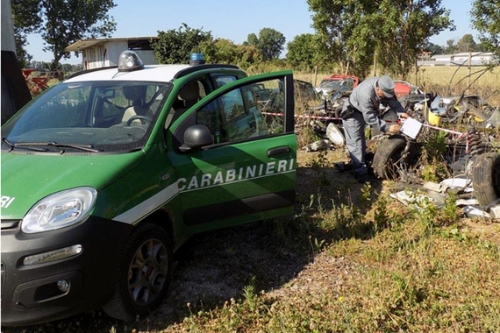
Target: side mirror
(196,136)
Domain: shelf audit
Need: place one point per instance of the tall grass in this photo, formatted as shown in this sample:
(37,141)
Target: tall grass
(444,80)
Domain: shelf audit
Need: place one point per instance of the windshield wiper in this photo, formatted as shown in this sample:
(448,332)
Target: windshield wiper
(27,145)
(88,148)
(12,146)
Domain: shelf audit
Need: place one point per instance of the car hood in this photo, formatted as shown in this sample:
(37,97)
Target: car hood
(27,178)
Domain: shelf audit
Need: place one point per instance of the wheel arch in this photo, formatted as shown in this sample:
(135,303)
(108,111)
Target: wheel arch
(162,219)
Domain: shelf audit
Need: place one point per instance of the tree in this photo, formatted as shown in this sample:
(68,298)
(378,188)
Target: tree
(450,46)
(466,44)
(303,50)
(353,32)
(21,41)
(175,46)
(432,48)
(270,43)
(63,22)
(224,51)
(486,20)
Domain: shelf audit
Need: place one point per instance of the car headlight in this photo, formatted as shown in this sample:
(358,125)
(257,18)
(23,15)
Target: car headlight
(59,210)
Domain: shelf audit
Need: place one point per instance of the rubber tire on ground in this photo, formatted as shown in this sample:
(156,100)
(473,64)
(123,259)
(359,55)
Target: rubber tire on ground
(486,178)
(146,260)
(389,152)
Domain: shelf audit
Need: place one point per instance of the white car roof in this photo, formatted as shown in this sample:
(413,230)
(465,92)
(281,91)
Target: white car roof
(156,73)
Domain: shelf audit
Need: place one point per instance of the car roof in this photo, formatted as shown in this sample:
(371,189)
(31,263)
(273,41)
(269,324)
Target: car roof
(157,73)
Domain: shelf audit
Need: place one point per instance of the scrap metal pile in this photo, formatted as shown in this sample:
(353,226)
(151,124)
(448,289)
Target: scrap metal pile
(461,132)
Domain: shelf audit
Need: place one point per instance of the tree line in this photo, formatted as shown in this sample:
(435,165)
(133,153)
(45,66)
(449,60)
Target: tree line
(354,35)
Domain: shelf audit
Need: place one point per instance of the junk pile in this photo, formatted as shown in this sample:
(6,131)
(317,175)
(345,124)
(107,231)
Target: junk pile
(332,137)
(436,193)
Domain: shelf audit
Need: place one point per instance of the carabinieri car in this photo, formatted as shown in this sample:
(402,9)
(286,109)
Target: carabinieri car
(106,174)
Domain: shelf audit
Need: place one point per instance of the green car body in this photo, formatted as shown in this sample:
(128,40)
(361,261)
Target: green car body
(84,191)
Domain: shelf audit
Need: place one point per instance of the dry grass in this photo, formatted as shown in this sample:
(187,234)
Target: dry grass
(444,80)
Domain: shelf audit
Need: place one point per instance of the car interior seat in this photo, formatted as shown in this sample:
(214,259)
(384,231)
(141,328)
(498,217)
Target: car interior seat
(188,96)
(135,95)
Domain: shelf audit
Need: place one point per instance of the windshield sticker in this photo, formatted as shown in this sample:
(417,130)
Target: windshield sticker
(235,175)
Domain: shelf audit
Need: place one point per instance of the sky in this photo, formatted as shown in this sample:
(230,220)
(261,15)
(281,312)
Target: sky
(231,19)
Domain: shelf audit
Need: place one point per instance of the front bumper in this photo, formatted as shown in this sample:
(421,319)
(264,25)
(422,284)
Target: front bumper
(37,293)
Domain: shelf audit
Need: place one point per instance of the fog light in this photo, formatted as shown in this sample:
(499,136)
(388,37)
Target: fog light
(59,254)
(63,285)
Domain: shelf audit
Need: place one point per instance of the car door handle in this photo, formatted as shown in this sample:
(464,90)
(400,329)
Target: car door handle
(278,151)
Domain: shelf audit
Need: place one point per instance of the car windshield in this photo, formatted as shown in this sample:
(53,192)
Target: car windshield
(330,84)
(88,116)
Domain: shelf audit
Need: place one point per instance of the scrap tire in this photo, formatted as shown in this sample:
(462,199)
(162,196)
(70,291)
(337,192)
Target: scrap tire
(388,160)
(486,178)
(143,275)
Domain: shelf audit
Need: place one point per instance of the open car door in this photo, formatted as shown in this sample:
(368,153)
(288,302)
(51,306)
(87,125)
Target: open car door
(234,153)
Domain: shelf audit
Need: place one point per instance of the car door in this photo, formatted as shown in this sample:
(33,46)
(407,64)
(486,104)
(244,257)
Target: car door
(247,173)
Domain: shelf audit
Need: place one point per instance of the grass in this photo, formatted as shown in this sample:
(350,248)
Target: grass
(409,270)
(444,80)
(406,277)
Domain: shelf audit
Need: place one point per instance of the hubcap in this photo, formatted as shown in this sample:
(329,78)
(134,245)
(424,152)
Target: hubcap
(148,271)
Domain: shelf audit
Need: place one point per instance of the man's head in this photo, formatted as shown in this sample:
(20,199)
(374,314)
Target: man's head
(385,87)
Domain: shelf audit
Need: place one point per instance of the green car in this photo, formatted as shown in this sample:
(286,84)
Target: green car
(106,174)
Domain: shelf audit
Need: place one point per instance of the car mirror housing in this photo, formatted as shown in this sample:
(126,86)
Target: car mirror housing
(196,136)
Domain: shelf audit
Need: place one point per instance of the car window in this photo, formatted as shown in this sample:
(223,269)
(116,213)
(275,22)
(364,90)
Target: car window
(108,116)
(248,112)
(224,79)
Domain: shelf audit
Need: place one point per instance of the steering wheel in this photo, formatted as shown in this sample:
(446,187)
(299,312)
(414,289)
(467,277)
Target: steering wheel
(144,120)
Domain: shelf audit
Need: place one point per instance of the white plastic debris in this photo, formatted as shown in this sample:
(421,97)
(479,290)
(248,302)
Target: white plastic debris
(467,202)
(461,183)
(432,186)
(472,211)
(335,135)
(408,197)
(317,146)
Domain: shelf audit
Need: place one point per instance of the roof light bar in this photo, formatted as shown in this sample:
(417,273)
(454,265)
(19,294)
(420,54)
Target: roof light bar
(197,59)
(129,61)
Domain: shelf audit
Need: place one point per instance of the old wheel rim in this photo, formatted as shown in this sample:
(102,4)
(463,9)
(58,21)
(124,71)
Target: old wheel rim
(148,272)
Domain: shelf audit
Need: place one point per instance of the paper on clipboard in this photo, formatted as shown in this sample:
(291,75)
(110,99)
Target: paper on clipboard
(411,127)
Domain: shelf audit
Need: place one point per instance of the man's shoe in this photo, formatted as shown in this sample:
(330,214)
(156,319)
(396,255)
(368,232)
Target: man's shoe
(342,166)
(365,178)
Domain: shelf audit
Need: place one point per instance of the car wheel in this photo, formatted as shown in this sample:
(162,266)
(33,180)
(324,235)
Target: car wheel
(143,275)
(391,157)
(486,178)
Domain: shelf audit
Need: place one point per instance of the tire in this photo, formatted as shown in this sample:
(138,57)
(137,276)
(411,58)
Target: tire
(486,178)
(388,159)
(143,275)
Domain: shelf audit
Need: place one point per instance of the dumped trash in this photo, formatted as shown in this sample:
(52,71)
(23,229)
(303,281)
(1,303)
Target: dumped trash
(436,193)
(335,135)
(317,146)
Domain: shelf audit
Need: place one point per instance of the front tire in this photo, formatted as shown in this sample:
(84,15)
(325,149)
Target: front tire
(486,178)
(392,157)
(144,274)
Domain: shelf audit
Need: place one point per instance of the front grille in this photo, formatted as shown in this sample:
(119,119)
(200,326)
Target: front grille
(10,224)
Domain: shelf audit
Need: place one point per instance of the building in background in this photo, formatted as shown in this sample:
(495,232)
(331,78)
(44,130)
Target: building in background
(104,52)
(461,59)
